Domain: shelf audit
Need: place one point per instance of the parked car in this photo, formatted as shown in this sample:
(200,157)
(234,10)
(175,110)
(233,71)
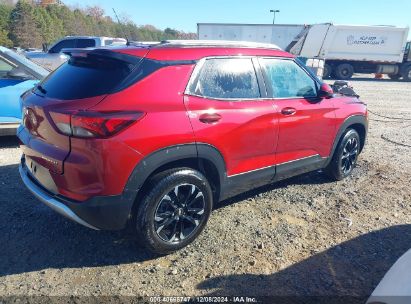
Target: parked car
(153,137)
(51,58)
(17,75)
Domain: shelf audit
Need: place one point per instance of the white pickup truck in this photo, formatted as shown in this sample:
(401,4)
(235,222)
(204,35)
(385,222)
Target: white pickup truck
(51,58)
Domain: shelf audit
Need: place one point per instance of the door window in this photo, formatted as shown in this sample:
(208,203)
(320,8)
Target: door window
(64,44)
(231,78)
(287,79)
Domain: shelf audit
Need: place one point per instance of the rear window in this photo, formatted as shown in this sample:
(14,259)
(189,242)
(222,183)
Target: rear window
(83,77)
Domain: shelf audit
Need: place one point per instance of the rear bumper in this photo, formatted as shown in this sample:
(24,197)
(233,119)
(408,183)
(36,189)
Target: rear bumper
(99,213)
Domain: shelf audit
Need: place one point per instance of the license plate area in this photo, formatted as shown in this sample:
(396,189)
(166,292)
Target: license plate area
(41,175)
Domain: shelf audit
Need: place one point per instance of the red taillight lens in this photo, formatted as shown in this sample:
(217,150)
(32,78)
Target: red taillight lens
(86,124)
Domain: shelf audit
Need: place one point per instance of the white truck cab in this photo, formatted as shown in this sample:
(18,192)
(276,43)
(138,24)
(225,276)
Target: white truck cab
(51,58)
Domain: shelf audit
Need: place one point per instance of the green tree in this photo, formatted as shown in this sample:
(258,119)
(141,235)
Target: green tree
(5,11)
(30,25)
(24,30)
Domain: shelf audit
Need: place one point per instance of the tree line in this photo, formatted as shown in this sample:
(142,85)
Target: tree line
(29,25)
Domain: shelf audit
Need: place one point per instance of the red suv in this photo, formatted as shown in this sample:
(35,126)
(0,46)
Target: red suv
(150,137)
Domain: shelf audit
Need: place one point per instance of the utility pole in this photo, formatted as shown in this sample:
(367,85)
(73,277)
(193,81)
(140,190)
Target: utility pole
(274,11)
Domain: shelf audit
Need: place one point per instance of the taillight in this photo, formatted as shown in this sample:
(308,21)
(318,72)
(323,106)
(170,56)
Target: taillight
(86,124)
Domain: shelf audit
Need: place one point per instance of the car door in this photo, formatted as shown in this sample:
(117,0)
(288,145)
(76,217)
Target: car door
(227,110)
(306,122)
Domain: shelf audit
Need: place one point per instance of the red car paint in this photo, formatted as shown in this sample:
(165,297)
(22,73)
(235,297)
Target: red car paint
(250,135)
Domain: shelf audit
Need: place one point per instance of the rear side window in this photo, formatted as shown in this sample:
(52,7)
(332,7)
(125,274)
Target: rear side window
(83,77)
(85,43)
(232,78)
(288,79)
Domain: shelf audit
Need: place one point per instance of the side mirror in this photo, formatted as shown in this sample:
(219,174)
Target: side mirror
(45,48)
(325,91)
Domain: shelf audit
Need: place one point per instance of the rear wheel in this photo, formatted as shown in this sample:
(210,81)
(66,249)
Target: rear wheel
(345,156)
(174,210)
(344,71)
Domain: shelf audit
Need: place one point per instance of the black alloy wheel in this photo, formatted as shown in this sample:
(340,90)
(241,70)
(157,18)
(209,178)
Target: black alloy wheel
(349,155)
(179,213)
(173,210)
(345,156)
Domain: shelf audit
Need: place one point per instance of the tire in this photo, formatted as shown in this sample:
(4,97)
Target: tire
(327,71)
(345,156)
(174,210)
(406,73)
(394,76)
(344,71)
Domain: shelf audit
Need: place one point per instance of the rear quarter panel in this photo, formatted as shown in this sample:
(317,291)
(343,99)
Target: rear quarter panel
(93,166)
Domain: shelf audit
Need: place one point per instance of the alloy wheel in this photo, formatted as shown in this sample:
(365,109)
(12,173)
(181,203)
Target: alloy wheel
(179,213)
(349,156)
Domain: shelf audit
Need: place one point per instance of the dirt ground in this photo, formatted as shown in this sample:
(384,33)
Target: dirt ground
(303,236)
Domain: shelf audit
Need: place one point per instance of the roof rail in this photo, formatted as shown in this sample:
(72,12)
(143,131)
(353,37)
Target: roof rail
(215,43)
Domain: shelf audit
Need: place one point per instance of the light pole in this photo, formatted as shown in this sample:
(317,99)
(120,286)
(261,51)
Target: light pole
(274,11)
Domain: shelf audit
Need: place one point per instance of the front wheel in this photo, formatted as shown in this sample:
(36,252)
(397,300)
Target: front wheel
(174,210)
(344,71)
(345,156)
(327,71)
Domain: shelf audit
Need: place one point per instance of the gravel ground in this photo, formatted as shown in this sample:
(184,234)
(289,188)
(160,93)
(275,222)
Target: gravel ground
(303,236)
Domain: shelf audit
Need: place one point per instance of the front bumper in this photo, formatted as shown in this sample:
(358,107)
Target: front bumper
(99,213)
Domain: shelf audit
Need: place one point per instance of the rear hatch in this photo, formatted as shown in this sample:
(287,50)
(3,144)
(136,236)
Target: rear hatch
(79,84)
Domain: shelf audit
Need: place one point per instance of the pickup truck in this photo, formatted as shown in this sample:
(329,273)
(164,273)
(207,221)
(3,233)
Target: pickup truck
(51,58)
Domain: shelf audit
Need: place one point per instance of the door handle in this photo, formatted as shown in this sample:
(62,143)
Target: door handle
(210,118)
(288,111)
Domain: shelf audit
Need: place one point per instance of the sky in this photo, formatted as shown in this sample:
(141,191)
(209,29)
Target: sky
(185,14)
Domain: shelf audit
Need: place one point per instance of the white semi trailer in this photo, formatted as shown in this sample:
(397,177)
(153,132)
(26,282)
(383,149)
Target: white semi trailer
(346,49)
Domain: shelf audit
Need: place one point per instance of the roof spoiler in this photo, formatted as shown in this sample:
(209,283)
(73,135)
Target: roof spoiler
(73,52)
(83,53)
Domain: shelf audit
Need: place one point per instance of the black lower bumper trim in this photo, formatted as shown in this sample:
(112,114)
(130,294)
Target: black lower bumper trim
(100,212)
